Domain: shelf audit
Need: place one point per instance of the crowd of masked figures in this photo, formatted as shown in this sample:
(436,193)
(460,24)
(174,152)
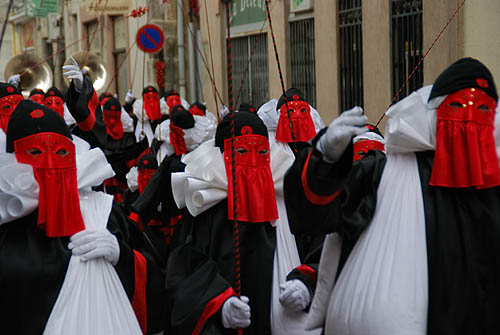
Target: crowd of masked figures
(159,217)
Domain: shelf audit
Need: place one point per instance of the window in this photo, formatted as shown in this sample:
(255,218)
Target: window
(407,32)
(350,54)
(94,38)
(255,88)
(302,58)
(120,54)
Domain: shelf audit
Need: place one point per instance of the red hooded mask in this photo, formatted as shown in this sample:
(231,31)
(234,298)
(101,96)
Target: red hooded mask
(7,105)
(146,168)
(112,114)
(300,120)
(39,137)
(173,100)
(151,102)
(38,98)
(254,182)
(465,147)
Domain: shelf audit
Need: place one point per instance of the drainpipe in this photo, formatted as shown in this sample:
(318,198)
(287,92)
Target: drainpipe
(180,46)
(192,73)
(199,64)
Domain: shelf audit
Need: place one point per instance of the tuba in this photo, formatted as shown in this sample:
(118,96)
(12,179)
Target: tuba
(93,67)
(35,72)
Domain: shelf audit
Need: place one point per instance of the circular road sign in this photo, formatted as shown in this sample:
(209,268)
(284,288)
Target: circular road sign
(150,38)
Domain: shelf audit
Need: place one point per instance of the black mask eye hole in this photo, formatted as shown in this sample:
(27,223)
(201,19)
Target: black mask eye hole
(455,104)
(484,108)
(361,153)
(263,151)
(303,110)
(241,150)
(6,106)
(62,152)
(34,151)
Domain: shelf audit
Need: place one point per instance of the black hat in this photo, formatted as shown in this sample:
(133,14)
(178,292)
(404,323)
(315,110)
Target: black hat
(149,89)
(199,105)
(244,107)
(105,95)
(112,104)
(30,118)
(53,92)
(8,89)
(180,117)
(36,91)
(147,161)
(170,92)
(241,121)
(464,73)
(290,94)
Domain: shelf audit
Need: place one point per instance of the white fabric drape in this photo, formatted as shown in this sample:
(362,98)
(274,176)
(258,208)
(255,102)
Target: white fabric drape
(382,289)
(92,299)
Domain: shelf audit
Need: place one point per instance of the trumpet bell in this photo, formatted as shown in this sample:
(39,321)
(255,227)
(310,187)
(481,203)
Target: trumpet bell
(92,65)
(34,72)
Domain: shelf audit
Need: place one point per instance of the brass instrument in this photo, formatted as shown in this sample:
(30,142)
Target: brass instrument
(93,67)
(35,72)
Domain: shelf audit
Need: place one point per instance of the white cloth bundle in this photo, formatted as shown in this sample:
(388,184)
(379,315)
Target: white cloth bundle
(132,176)
(286,258)
(92,299)
(383,287)
(127,122)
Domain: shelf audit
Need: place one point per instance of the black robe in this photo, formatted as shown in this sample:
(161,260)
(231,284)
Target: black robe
(462,229)
(33,268)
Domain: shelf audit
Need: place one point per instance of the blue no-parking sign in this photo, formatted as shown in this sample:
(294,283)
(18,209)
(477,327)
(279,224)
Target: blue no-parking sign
(150,38)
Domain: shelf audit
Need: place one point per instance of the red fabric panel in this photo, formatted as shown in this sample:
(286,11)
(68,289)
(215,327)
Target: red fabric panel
(302,123)
(89,122)
(465,146)
(135,217)
(308,271)
(55,172)
(139,299)
(212,307)
(310,195)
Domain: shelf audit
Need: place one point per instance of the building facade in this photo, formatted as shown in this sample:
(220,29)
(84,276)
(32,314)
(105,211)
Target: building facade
(343,53)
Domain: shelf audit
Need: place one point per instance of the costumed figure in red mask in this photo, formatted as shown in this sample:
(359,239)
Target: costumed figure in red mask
(364,143)
(201,271)
(178,136)
(291,119)
(57,237)
(171,99)
(422,222)
(9,98)
(198,108)
(37,95)
(150,112)
(122,150)
(54,100)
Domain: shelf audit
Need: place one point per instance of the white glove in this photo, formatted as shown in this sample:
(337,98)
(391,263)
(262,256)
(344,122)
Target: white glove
(15,80)
(129,98)
(223,111)
(236,313)
(294,295)
(74,73)
(340,133)
(90,244)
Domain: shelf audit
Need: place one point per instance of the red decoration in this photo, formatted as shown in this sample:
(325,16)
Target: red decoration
(10,89)
(37,113)
(482,82)
(138,12)
(194,6)
(246,130)
(295,97)
(301,120)
(160,73)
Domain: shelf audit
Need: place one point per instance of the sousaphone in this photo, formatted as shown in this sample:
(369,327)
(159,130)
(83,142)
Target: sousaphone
(92,65)
(35,73)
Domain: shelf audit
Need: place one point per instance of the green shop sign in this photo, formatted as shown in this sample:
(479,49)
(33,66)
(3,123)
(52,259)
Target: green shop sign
(41,7)
(248,13)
